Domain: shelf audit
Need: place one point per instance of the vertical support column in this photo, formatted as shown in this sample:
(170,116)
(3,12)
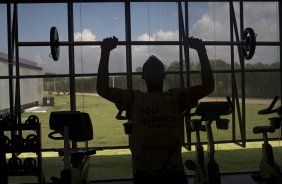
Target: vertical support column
(280,50)
(10,58)
(181,39)
(280,47)
(188,53)
(243,79)
(71,61)
(71,57)
(234,84)
(18,89)
(232,73)
(128,46)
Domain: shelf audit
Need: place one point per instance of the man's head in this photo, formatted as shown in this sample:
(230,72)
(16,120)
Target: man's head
(153,72)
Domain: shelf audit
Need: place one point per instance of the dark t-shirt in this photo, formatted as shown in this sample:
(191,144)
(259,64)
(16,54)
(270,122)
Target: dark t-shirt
(157,133)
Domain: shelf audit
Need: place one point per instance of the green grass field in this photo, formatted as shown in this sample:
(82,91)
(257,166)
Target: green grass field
(111,164)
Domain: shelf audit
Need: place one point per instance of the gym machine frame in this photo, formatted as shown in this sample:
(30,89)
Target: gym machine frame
(76,127)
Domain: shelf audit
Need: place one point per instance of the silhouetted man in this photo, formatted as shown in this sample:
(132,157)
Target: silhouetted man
(157,130)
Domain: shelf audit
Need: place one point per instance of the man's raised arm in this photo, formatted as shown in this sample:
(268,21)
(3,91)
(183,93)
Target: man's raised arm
(103,89)
(207,86)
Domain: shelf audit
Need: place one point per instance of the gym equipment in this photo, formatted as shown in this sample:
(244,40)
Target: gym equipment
(32,120)
(31,142)
(17,143)
(206,169)
(270,172)
(54,41)
(14,164)
(9,121)
(77,127)
(1,120)
(29,164)
(7,142)
(248,43)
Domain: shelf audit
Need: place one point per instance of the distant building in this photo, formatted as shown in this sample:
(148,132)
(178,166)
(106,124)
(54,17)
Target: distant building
(31,90)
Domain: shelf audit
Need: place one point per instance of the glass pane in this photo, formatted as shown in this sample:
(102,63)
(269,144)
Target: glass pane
(166,53)
(102,112)
(3,28)
(96,21)
(87,59)
(42,96)
(260,89)
(265,57)
(4,97)
(154,21)
(209,21)
(263,18)
(38,57)
(4,65)
(36,20)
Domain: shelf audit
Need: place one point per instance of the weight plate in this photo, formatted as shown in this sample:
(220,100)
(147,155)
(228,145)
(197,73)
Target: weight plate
(249,43)
(54,43)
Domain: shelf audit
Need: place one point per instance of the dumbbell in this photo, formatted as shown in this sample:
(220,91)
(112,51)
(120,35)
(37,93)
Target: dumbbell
(31,142)
(32,120)
(7,142)
(14,164)
(9,121)
(17,143)
(1,121)
(29,164)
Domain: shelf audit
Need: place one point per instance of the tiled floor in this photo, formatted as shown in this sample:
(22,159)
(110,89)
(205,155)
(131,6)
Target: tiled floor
(242,178)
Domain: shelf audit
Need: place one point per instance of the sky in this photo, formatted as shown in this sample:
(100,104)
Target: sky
(149,21)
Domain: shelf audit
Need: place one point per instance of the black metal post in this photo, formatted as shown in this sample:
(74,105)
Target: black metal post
(243,79)
(128,46)
(71,57)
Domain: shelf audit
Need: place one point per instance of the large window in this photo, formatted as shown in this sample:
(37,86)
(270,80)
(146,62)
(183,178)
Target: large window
(143,29)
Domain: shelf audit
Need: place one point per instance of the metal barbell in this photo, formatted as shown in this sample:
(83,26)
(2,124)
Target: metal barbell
(248,43)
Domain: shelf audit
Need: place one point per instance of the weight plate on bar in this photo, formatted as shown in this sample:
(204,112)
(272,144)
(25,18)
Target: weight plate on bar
(249,43)
(54,43)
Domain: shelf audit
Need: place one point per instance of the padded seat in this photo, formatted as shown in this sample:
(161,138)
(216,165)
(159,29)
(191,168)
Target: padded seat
(211,110)
(263,129)
(79,152)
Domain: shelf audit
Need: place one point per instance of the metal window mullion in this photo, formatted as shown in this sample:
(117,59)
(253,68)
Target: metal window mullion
(232,75)
(10,58)
(18,89)
(243,78)
(280,50)
(128,45)
(188,51)
(181,81)
(87,43)
(71,57)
